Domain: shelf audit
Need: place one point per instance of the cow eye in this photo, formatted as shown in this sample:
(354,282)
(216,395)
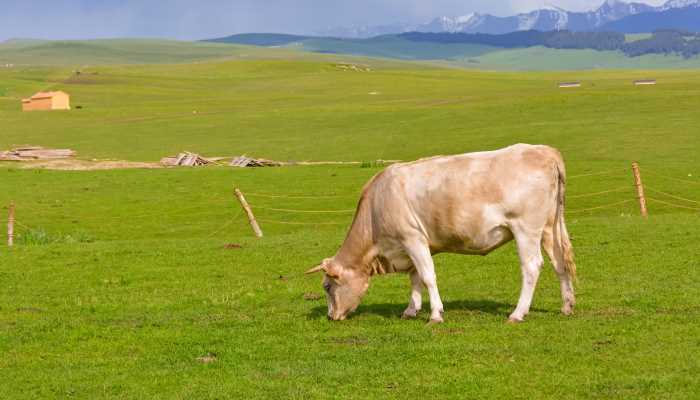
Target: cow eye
(327,286)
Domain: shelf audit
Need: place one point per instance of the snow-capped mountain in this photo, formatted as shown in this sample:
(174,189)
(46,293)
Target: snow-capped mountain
(545,19)
(671,4)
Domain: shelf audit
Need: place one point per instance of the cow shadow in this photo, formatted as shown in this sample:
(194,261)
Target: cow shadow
(394,310)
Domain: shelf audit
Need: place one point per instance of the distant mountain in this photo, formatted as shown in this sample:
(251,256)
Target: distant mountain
(365,32)
(687,19)
(671,4)
(260,39)
(546,19)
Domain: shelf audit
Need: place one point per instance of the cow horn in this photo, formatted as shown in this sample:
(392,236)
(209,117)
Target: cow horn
(315,269)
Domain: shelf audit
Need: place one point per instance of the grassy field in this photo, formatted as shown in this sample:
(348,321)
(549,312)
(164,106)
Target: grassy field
(542,58)
(77,53)
(86,53)
(123,280)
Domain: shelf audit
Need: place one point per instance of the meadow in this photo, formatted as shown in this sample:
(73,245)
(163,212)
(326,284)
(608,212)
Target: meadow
(150,284)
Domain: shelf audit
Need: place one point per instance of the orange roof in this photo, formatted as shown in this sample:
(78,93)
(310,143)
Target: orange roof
(46,95)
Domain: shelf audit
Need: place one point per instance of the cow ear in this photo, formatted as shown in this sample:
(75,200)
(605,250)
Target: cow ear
(332,269)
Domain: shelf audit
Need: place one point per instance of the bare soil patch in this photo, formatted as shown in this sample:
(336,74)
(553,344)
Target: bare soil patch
(84,165)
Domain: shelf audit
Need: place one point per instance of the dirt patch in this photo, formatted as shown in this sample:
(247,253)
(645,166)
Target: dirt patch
(312,296)
(83,165)
(350,341)
(207,359)
(31,310)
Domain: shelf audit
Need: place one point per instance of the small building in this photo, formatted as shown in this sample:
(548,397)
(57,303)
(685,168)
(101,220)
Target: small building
(47,101)
(570,84)
(644,82)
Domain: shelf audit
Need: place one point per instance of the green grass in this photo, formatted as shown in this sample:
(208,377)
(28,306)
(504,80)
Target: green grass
(394,47)
(633,37)
(122,51)
(121,279)
(542,59)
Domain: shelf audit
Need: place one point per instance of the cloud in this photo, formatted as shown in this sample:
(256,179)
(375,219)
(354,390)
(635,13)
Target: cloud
(187,19)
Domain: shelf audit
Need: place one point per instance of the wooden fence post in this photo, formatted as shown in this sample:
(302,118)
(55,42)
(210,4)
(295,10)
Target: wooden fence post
(11,225)
(640,190)
(249,212)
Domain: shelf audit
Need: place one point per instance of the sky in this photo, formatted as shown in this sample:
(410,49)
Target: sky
(200,19)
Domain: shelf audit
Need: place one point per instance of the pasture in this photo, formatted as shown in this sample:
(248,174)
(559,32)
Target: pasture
(149,283)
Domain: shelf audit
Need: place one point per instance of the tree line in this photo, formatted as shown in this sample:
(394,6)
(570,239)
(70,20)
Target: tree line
(686,44)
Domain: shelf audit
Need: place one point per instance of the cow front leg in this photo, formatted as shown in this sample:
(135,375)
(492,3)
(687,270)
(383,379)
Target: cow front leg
(416,301)
(423,262)
(530,264)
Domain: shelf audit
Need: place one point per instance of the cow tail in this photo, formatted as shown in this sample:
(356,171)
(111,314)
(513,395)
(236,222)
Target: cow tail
(562,239)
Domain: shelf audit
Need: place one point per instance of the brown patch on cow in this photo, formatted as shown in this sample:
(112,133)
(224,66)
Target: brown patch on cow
(312,296)
(207,359)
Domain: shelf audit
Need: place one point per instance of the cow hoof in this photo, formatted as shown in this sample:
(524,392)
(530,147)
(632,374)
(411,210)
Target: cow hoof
(434,321)
(409,314)
(514,320)
(567,310)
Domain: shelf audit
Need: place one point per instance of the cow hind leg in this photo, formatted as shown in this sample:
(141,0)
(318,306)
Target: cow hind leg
(556,256)
(416,302)
(530,263)
(423,262)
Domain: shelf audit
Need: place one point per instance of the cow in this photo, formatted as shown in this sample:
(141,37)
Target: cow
(470,203)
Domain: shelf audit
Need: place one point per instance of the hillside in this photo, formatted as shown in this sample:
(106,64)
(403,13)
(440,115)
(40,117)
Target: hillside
(148,283)
(515,51)
(116,51)
(546,59)
(260,107)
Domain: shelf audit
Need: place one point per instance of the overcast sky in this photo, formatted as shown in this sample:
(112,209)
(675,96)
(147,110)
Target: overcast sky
(198,19)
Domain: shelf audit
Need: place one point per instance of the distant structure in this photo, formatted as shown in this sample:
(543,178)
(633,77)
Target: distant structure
(47,101)
(570,84)
(644,82)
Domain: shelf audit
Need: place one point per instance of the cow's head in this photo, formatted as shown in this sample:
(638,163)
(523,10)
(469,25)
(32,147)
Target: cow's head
(344,288)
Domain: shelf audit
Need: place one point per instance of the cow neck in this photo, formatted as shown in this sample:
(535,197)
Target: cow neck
(357,249)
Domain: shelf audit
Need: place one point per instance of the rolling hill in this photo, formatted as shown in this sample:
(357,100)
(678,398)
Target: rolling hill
(147,283)
(515,51)
(117,51)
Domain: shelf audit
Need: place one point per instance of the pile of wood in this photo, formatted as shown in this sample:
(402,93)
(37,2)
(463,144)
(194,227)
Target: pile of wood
(244,161)
(185,159)
(569,84)
(353,67)
(35,153)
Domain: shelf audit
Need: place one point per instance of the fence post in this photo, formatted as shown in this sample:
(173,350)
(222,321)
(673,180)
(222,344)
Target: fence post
(11,225)
(640,190)
(249,212)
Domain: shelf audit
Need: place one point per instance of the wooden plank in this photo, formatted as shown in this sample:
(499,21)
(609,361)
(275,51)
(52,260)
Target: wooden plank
(251,217)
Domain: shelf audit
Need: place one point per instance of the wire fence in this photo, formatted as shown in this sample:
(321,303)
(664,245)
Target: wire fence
(620,198)
(277,208)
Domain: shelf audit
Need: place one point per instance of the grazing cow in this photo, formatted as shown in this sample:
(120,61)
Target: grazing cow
(469,204)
